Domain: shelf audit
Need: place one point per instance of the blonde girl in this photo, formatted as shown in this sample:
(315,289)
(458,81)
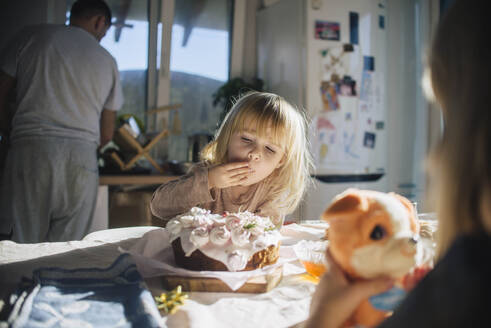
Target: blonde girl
(258,161)
(457,292)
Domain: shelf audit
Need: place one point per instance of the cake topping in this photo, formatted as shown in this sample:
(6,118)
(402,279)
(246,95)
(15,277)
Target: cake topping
(199,236)
(174,226)
(219,235)
(240,237)
(232,222)
(197,217)
(237,260)
(187,221)
(259,243)
(231,238)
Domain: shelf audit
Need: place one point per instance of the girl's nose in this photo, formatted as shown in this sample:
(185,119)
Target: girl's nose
(253,156)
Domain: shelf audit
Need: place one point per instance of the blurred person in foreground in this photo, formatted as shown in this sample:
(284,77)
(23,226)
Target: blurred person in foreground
(457,292)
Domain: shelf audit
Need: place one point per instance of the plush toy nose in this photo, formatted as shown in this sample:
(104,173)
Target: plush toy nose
(414,240)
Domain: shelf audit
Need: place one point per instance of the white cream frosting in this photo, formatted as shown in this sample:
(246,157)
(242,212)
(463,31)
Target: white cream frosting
(219,236)
(231,238)
(240,237)
(237,260)
(174,227)
(200,236)
(233,222)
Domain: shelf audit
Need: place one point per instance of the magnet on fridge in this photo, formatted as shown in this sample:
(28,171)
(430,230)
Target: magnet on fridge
(348,117)
(381,22)
(327,30)
(347,86)
(369,140)
(369,63)
(353,27)
(329,96)
(379,125)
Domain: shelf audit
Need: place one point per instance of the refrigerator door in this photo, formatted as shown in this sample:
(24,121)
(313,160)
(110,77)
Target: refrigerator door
(281,49)
(330,59)
(321,193)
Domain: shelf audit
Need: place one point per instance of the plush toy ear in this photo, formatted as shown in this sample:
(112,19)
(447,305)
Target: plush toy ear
(347,203)
(412,212)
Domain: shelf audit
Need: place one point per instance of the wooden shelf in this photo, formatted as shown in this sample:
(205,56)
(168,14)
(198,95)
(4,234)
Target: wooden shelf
(129,144)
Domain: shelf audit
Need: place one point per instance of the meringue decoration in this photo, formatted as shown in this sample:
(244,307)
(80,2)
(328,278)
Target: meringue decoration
(240,237)
(218,220)
(199,236)
(219,235)
(201,220)
(231,238)
(187,221)
(232,222)
(174,227)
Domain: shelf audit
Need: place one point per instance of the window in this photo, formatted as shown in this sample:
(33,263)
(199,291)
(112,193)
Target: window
(200,48)
(128,42)
(199,65)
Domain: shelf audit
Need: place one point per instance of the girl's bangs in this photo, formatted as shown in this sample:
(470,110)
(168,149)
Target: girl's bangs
(261,121)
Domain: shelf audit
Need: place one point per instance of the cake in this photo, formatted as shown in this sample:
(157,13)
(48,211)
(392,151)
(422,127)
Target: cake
(242,241)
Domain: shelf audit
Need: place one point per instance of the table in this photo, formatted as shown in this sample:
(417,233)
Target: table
(287,305)
(101,213)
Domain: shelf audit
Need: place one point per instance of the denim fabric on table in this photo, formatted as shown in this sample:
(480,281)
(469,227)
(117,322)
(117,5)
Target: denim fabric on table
(90,297)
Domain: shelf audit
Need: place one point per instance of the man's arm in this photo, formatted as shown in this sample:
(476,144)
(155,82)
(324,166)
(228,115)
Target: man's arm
(7,83)
(108,121)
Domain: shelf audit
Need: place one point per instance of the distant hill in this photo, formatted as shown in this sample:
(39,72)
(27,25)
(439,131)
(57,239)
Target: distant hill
(197,115)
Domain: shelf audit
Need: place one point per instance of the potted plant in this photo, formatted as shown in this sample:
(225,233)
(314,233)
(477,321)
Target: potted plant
(231,90)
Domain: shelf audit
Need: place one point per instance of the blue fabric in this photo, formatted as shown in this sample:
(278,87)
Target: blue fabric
(91,297)
(388,300)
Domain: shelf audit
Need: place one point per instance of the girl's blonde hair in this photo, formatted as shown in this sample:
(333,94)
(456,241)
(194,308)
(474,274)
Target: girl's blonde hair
(461,77)
(287,129)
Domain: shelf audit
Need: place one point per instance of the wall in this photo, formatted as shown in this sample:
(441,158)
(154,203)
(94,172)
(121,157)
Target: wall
(249,60)
(410,119)
(27,12)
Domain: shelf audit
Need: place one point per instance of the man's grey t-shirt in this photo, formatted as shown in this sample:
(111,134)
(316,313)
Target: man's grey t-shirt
(64,80)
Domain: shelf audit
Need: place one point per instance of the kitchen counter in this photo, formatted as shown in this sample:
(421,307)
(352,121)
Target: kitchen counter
(101,213)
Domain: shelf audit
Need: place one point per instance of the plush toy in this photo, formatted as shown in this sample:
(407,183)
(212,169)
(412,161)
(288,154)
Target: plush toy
(374,234)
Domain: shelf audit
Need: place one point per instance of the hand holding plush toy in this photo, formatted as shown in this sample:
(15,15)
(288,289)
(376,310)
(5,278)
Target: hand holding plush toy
(374,234)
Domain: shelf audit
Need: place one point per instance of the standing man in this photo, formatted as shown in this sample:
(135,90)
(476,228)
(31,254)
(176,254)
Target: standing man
(67,94)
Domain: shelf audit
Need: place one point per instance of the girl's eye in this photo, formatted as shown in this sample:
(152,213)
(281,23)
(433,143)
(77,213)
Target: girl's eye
(246,139)
(378,233)
(271,150)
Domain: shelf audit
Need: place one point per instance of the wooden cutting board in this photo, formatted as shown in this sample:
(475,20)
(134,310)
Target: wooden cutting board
(259,284)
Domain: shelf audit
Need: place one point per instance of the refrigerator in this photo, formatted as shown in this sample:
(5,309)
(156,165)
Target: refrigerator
(328,57)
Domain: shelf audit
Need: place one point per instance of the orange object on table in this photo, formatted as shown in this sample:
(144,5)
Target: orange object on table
(315,269)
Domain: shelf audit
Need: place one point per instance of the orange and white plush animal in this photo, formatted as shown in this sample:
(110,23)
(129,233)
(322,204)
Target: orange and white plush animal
(373,234)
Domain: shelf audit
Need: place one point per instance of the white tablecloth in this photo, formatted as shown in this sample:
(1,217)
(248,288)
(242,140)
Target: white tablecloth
(286,305)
